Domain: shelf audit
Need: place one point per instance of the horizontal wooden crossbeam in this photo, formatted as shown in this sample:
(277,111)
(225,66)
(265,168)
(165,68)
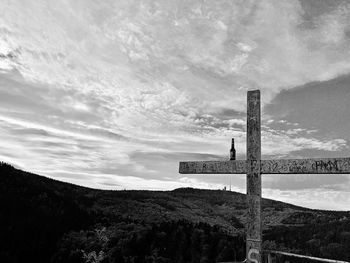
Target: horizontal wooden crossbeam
(283,166)
(214,167)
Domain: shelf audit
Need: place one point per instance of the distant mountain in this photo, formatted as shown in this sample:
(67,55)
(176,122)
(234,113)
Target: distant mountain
(44,220)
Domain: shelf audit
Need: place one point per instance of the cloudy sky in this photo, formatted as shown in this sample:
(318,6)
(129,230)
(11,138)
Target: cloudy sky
(113,94)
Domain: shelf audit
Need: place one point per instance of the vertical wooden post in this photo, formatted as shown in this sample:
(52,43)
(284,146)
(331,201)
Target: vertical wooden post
(269,259)
(254,231)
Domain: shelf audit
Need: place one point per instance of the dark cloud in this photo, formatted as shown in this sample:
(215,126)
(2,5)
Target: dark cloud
(313,9)
(321,106)
(227,113)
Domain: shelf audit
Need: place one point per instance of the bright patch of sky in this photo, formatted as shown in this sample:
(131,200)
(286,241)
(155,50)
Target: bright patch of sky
(112,94)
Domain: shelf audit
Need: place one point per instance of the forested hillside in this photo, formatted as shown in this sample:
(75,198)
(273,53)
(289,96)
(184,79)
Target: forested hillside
(44,220)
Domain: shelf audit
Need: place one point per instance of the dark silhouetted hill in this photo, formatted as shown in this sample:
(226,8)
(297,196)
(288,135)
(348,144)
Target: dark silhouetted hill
(44,220)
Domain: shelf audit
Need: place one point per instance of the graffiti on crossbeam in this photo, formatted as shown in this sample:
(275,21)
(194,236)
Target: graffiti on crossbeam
(327,166)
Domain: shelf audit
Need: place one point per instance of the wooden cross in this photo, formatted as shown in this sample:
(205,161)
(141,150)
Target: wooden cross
(254,167)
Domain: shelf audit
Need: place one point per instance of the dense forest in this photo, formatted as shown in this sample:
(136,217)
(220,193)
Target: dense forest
(44,220)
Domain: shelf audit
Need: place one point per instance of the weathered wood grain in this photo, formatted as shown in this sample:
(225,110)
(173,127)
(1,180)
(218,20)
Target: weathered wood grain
(282,166)
(306,166)
(213,167)
(254,226)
